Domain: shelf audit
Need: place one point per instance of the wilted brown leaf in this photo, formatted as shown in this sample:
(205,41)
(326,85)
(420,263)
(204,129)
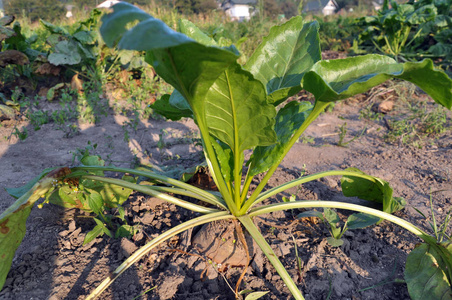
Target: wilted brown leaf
(77,83)
(13,57)
(48,69)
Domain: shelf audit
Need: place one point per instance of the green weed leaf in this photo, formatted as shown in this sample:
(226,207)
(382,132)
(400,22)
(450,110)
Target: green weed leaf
(284,56)
(425,278)
(66,197)
(94,233)
(103,226)
(334,242)
(126,231)
(333,80)
(311,213)
(255,295)
(331,216)
(95,202)
(288,120)
(361,220)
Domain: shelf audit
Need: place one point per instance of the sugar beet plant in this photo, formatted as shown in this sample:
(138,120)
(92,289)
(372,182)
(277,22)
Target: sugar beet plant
(238,108)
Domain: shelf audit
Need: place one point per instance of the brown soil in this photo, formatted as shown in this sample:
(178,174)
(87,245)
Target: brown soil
(52,264)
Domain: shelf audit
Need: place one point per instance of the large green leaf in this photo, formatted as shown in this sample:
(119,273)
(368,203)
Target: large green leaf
(372,189)
(12,232)
(332,80)
(188,66)
(225,158)
(191,69)
(164,107)
(188,28)
(284,56)
(66,53)
(288,120)
(178,101)
(14,218)
(114,25)
(237,112)
(425,278)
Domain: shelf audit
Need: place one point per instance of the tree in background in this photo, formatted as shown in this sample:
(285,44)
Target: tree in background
(195,6)
(289,8)
(35,9)
(272,8)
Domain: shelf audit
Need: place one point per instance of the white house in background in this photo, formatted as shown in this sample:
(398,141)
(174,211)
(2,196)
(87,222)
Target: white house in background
(326,7)
(69,11)
(2,11)
(377,4)
(238,10)
(107,4)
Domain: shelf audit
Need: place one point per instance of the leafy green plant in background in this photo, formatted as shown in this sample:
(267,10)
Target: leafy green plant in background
(16,53)
(238,108)
(412,30)
(75,48)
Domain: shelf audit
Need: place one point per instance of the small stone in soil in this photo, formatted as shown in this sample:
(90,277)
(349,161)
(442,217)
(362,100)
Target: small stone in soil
(127,247)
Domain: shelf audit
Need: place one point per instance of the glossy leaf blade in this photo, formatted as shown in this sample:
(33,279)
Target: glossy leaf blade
(342,78)
(284,56)
(164,107)
(191,69)
(150,33)
(425,278)
(188,66)
(191,30)
(225,158)
(288,120)
(237,112)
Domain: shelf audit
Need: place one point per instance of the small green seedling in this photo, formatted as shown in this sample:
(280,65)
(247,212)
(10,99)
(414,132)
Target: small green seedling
(330,217)
(343,132)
